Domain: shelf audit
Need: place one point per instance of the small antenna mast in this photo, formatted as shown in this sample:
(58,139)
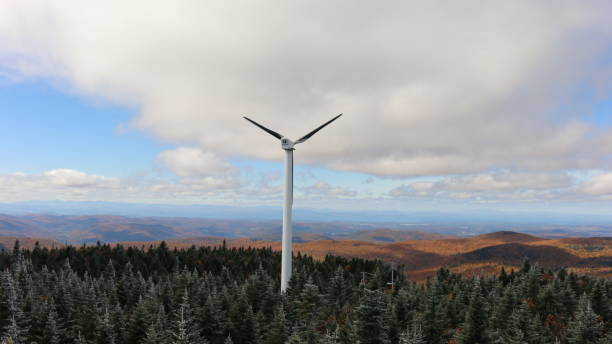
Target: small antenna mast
(392,284)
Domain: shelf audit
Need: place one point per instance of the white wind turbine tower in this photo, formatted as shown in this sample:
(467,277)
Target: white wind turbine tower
(287,145)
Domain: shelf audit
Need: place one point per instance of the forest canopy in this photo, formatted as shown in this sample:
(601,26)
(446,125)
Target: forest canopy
(113,294)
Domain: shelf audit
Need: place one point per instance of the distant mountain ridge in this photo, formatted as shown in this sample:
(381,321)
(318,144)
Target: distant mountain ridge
(553,220)
(111,228)
(114,228)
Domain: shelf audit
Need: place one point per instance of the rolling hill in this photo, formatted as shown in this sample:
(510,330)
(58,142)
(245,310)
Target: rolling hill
(507,236)
(420,252)
(422,258)
(514,254)
(385,235)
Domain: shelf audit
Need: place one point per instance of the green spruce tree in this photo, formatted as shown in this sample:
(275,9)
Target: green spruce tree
(413,335)
(475,325)
(277,332)
(586,328)
(183,330)
(371,318)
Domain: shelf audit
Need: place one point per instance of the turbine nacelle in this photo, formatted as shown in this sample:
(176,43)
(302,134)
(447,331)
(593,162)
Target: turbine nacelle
(287,143)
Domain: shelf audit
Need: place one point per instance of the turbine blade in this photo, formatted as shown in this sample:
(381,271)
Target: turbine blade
(271,132)
(309,135)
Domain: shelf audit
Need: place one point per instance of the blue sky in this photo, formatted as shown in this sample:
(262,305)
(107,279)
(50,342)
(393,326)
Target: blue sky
(44,128)
(48,128)
(512,111)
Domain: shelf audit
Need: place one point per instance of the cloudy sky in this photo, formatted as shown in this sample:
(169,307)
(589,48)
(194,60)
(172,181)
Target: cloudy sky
(447,105)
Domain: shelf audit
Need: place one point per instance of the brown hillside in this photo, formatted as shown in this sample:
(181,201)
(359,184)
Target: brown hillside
(515,254)
(581,247)
(13,226)
(587,241)
(422,258)
(448,247)
(508,237)
(28,243)
(396,252)
(202,241)
(385,235)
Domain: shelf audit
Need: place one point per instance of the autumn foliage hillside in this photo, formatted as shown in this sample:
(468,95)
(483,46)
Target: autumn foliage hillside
(477,255)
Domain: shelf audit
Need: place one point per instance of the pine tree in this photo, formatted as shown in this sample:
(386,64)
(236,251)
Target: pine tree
(296,338)
(87,315)
(371,320)
(137,324)
(261,323)
(517,327)
(599,301)
(105,333)
(118,317)
(586,327)
(156,332)
(403,308)
(308,308)
(413,335)
(503,309)
(277,332)
(331,337)
(184,331)
(242,319)
(434,318)
(474,329)
(212,319)
(16,324)
(337,290)
(80,340)
(52,331)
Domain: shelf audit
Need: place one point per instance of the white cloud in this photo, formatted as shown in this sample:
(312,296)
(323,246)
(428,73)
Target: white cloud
(197,173)
(598,185)
(427,88)
(194,162)
(500,185)
(55,184)
(323,189)
(72,178)
(68,184)
(506,181)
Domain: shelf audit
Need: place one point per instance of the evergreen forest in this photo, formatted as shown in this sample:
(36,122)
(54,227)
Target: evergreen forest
(109,294)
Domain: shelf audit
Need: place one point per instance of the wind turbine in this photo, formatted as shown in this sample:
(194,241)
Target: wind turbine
(287,145)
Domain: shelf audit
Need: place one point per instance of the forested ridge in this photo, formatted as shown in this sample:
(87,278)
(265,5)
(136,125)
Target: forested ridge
(112,294)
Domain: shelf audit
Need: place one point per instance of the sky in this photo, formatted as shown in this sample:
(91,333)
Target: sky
(447,105)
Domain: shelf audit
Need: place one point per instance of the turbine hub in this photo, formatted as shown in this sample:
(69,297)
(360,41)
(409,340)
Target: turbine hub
(286,143)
